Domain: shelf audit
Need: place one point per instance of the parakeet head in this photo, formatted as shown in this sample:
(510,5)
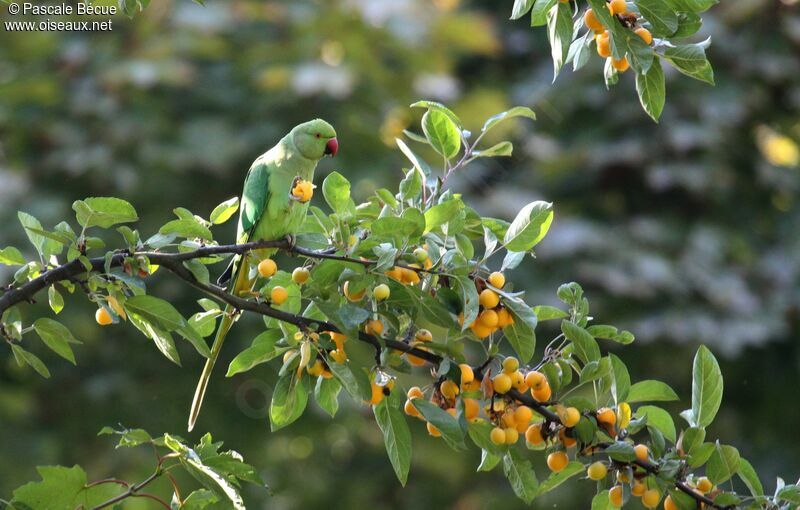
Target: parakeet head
(315,139)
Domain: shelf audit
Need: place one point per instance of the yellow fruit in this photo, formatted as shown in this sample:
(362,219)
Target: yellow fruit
(300,275)
(278,295)
(638,488)
(569,416)
(414,360)
(377,394)
(471,408)
(303,191)
(606,415)
(597,471)
(535,380)
(603,42)
(498,436)
(103,317)
(497,279)
(645,34)
(501,383)
(326,374)
(339,356)
(315,369)
(449,389)
(480,330)
(381,292)
(704,484)
(518,380)
(650,498)
(374,327)
(395,273)
(420,255)
(512,436)
(510,364)
(620,65)
(467,375)
(432,430)
(615,496)
(415,392)
(592,23)
(543,394)
(356,296)
(642,452)
(534,434)
(488,298)
(504,318)
(423,335)
(523,415)
(622,477)
(567,441)
(557,461)
(617,7)
(267,268)
(669,504)
(410,276)
(488,318)
(410,409)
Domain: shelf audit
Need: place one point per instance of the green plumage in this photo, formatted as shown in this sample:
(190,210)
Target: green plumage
(268,212)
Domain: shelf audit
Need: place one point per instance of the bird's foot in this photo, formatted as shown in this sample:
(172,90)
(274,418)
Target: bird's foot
(291,240)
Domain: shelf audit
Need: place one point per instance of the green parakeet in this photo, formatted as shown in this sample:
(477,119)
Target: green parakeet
(268,211)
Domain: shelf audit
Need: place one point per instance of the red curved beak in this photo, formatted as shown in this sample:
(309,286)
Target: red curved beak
(332,147)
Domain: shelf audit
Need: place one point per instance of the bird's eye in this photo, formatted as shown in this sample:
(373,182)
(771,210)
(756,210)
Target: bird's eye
(318,135)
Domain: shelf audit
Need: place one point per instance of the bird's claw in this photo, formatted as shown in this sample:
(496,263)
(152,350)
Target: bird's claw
(291,240)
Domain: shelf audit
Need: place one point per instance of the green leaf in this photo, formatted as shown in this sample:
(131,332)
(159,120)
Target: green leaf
(556,479)
(696,6)
(521,476)
(658,418)
(156,310)
(610,333)
(663,20)
(224,211)
(56,336)
(160,337)
(517,111)
(288,400)
(559,33)
(789,494)
(336,189)
(500,149)
(55,300)
(418,162)
(600,501)
(355,382)
(750,478)
(692,438)
(103,212)
(585,345)
(442,133)
(651,89)
(439,107)
(447,425)
(411,185)
(24,357)
(11,256)
(44,246)
(723,463)
(521,334)
(539,12)
(521,8)
(62,488)
(621,451)
(529,227)
(690,59)
(442,213)
(189,228)
(546,313)
(706,387)
(651,391)
(469,300)
(396,437)
(620,380)
(262,349)
(327,394)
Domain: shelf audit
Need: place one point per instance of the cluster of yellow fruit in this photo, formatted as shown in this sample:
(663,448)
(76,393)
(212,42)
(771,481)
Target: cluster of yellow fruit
(446,396)
(512,377)
(510,421)
(491,316)
(603,39)
(408,275)
(303,190)
(278,294)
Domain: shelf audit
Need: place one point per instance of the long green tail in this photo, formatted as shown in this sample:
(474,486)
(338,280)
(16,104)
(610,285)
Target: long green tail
(239,282)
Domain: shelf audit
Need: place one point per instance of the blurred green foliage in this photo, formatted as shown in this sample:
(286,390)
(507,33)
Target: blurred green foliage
(681,232)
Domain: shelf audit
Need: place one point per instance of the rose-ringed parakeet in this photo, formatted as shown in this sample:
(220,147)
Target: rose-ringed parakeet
(268,211)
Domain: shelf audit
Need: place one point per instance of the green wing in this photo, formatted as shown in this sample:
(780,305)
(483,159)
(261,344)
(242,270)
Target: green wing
(254,200)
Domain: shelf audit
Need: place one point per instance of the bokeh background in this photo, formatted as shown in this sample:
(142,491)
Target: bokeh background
(683,232)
